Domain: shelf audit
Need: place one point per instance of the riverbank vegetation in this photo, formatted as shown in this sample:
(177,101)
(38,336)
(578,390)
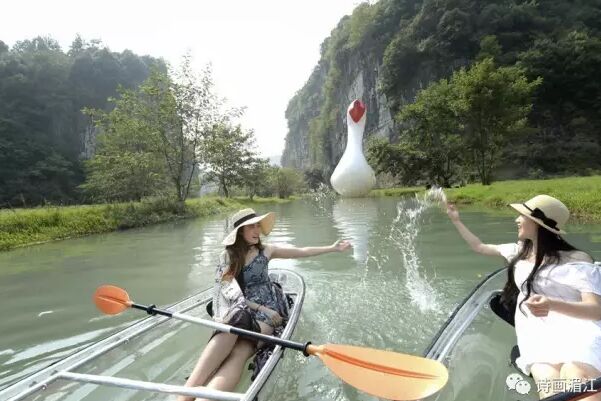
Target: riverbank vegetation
(22,227)
(582,195)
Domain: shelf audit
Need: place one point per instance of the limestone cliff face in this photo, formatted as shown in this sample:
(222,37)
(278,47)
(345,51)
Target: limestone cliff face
(302,109)
(360,82)
(360,79)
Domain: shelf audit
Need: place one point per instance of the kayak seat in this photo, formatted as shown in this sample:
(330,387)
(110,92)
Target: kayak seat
(501,310)
(515,354)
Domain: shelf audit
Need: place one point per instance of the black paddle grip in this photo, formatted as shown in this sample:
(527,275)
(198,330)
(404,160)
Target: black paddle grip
(152,310)
(270,339)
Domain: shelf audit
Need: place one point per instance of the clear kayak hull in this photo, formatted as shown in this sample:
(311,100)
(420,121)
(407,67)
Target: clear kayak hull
(478,348)
(475,345)
(156,350)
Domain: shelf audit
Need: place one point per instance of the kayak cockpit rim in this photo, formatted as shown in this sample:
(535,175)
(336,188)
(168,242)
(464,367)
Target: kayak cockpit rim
(462,317)
(63,369)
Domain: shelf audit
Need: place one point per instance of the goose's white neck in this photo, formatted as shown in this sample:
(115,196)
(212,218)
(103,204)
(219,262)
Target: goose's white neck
(355,137)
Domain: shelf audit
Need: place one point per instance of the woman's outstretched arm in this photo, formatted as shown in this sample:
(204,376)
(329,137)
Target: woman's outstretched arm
(474,242)
(291,252)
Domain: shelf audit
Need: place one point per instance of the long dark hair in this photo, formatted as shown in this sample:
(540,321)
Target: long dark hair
(548,246)
(237,253)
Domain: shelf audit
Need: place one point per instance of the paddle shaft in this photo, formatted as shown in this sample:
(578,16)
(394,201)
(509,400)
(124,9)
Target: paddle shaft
(152,310)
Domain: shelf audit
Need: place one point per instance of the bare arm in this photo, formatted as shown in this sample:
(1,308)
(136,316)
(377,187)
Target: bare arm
(474,242)
(274,251)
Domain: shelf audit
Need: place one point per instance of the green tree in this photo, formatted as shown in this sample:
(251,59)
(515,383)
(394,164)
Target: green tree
(126,165)
(289,181)
(401,160)
(567,104)
(313,178)
(167,120)
(433,135)
(256,176)
(493,105)
(228,155)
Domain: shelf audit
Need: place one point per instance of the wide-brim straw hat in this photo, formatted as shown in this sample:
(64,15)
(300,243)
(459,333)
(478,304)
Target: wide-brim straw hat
(246,217)
(546,211)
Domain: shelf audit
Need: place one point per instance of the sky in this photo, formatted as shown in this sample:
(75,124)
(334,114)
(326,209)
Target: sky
(262,51)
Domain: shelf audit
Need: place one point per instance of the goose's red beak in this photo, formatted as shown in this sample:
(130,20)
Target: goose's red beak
(357,111)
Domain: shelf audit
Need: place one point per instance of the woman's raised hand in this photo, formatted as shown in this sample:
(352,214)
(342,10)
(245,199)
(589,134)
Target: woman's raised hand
(341,245)
(452,212)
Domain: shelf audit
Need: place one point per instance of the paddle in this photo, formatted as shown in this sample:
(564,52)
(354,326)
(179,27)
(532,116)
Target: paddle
(380,373)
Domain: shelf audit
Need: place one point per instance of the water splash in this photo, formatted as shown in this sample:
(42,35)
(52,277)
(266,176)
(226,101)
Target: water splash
(435,194)
(322,197)
(404,231)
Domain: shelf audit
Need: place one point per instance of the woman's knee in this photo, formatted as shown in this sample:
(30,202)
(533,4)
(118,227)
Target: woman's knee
(541,371)
(578,370)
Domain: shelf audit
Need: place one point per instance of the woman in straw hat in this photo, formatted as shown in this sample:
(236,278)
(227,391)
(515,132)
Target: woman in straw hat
(555,291)
(245,297)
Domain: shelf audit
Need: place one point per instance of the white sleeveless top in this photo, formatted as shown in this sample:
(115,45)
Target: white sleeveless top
(556,338)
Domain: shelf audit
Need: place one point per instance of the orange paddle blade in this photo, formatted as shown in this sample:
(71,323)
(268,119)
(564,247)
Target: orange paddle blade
(111,300)
(381,373)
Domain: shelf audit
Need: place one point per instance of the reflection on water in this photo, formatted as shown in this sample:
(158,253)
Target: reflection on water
(206,254)
(355,217)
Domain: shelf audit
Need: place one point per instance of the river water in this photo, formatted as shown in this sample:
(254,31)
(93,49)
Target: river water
(407,271)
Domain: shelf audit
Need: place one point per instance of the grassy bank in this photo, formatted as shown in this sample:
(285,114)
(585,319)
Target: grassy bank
(22,227)
(375,193)
(582,195)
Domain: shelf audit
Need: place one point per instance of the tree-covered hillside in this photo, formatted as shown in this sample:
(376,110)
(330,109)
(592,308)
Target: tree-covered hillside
(44,136)
(405,45)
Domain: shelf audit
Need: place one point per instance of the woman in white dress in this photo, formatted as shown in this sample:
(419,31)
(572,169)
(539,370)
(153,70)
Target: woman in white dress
(556,292)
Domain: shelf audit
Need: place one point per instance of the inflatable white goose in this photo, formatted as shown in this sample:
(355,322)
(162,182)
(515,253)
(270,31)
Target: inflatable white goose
(353,177)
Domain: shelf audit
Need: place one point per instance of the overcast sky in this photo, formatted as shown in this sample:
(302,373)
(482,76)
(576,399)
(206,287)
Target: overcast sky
(262,51)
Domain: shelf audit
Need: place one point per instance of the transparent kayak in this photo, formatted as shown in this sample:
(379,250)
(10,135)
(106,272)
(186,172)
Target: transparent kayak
(150,359)
(478,348)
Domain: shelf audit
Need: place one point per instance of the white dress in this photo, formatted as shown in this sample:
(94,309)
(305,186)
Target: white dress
(556,338)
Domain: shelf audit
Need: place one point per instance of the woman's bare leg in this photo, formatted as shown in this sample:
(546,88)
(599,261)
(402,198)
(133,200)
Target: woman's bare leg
(216,351)
(545,372)
(228,375)
(572,371)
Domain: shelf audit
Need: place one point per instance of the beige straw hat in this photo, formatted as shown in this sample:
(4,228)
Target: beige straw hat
(546,211)
(246,217)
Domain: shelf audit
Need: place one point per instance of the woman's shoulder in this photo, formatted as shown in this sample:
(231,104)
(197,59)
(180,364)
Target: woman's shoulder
(509,250)
(268,250)
(575,256)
